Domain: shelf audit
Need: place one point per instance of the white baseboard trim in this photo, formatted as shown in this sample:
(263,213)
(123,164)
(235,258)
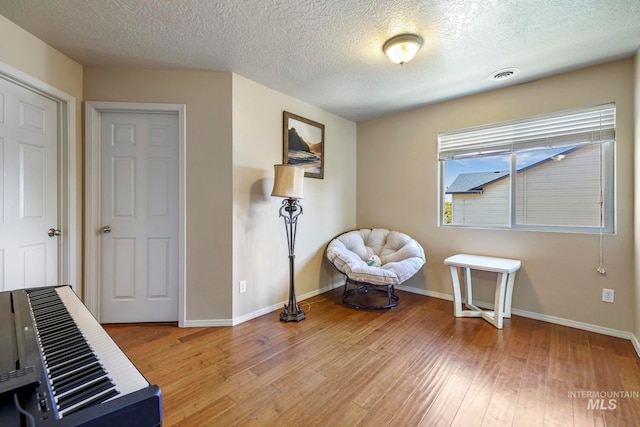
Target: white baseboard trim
(636,343)
(542,317)
(573,324)
(425,292)
(523,313)
(280,306)
(205,323)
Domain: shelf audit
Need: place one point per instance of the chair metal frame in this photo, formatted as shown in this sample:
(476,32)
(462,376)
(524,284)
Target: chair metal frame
(352,296)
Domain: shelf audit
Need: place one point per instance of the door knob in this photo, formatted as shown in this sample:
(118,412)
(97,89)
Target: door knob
(53,232)
(106,229)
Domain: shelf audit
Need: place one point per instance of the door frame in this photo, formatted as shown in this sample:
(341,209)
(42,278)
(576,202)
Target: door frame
(93,113)
(69,271)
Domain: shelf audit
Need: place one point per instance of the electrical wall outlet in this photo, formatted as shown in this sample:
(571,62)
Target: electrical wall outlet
(607,295)
(243,286)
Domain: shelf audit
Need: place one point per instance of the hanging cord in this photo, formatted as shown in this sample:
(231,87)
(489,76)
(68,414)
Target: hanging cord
(27,415)
(600,268)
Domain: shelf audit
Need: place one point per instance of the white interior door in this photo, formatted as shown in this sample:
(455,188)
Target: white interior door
(139,214)
(28,188)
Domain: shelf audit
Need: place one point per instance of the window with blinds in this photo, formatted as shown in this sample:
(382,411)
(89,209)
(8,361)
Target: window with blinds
(548,172)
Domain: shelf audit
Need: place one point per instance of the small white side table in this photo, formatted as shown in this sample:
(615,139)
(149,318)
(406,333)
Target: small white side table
(506,269)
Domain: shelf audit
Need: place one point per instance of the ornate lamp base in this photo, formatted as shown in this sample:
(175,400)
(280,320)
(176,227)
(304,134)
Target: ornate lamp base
(295,315)
(291,312)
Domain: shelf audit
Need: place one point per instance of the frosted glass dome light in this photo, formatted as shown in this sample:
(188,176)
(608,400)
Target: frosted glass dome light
(402,48)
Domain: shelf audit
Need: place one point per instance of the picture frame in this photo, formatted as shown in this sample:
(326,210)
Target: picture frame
(303,144)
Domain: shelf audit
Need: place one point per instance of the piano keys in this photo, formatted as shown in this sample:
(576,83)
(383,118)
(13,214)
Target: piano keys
(67,371)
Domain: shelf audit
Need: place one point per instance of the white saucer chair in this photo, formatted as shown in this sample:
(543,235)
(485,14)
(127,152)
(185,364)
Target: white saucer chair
(400,258)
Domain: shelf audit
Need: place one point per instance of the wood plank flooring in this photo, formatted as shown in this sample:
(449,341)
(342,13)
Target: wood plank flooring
(414,365)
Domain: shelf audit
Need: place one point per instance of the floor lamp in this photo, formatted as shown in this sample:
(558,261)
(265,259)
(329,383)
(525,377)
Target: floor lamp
(288,184)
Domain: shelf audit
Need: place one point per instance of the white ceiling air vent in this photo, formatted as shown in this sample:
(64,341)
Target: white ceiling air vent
(504,74)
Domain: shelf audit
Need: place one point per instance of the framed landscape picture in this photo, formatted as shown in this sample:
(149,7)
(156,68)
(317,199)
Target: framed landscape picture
(303,144)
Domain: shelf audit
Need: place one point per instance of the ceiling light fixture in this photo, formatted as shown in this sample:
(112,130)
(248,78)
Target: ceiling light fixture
(402,48)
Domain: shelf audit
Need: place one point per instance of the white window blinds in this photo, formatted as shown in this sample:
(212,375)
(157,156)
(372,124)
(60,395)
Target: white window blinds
(556,130)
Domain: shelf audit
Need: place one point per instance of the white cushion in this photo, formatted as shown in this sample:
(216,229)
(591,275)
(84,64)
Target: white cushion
(401,256)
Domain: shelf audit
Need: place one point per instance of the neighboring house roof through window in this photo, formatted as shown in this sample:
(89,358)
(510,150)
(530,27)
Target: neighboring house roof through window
(474,183)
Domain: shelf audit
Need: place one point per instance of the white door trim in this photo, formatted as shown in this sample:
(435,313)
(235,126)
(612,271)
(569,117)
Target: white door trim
(93,111)
(69,270)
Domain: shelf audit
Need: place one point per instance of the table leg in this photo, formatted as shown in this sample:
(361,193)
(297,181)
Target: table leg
(468,282)
(498,309)
(508,297)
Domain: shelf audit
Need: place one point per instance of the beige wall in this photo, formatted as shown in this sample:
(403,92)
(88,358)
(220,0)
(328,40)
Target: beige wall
(207,96)
(27,53)
(259,240)
(234,137)
(397,187)
(233,231)
(30,55)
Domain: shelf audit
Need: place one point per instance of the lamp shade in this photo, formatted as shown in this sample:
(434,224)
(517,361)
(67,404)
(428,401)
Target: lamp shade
(288,181)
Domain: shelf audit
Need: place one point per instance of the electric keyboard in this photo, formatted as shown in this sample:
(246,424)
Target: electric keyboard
(58,366)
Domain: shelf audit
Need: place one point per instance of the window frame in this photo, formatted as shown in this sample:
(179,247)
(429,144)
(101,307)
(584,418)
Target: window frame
(607,145)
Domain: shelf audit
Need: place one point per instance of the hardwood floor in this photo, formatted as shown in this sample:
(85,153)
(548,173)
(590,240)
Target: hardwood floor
(413,365)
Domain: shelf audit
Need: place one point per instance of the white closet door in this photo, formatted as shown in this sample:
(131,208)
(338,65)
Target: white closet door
(28,188)
(139,213)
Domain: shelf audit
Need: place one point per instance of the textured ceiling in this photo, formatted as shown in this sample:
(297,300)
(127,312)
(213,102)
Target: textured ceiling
(329,52)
